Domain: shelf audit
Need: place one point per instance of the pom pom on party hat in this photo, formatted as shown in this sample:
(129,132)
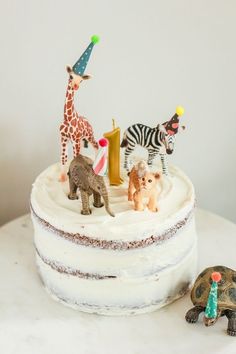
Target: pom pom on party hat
(172,125)
(100,164)
(211,308)
(80,66)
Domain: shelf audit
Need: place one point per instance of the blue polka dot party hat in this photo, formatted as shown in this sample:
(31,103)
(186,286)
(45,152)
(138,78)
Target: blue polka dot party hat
(80,66)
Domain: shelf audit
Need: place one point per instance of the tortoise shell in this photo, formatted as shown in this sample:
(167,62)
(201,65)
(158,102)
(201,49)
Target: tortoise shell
(226,288)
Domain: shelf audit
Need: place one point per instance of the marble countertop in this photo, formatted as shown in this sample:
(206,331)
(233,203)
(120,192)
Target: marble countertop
(32,323)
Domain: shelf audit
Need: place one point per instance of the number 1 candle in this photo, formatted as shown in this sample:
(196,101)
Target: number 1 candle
(114,155)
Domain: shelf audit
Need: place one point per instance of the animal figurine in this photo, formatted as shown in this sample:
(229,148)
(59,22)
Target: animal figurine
(82,176)
(74,127)
(135,175)
(159,140)
(214,292)
(142,183)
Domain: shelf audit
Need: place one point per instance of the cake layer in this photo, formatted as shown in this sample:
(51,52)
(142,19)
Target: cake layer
(55,248)
(50,203)
(121,296)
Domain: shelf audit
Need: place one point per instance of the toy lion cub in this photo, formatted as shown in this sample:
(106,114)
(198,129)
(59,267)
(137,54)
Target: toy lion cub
(142,184)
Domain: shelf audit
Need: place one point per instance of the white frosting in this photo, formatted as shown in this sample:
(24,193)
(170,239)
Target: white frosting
(144,278)
(125,263)
(49,201)
(122,296)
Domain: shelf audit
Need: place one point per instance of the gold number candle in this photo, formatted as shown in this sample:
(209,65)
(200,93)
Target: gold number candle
(114,155)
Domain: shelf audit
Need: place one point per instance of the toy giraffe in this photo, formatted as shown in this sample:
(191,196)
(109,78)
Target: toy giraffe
(75,128)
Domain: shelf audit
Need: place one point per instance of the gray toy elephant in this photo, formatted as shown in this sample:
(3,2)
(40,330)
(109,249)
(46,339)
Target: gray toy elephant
(82,176)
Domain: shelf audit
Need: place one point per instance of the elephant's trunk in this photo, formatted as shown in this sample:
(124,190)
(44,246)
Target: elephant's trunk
(107,207)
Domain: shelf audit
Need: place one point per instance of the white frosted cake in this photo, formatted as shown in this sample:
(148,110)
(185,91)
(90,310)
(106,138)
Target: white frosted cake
(132,263)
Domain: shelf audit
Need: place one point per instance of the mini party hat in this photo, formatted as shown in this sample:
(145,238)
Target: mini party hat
(100,163)
(80,66)
(172,125)
(211,308)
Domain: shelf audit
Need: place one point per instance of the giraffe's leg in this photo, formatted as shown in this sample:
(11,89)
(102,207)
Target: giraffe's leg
(151,155)
(85,141)
(164,164)
(76,147)
(128,151)
(92,141)
(64,156)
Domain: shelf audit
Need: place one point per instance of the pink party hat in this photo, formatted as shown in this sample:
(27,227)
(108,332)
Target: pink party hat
(172,125)
(100,163)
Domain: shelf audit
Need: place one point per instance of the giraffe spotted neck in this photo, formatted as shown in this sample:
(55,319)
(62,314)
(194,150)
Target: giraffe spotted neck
(69,109)
(74,128)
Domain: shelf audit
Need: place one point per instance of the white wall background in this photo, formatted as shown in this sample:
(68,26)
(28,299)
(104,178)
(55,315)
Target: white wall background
(153,55)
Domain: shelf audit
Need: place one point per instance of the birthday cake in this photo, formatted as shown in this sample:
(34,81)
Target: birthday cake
(134,249)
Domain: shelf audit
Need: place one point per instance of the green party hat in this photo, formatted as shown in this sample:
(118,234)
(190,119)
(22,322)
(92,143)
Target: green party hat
(211,308)
(80,66)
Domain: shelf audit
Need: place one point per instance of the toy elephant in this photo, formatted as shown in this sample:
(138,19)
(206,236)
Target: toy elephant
(82,176)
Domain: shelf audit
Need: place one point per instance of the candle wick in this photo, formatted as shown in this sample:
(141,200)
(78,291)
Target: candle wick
(113,124)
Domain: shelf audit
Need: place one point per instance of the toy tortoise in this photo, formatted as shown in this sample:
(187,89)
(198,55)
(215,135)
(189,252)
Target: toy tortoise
(214,292)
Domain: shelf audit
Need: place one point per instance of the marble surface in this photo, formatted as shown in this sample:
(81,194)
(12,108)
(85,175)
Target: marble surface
(32,323)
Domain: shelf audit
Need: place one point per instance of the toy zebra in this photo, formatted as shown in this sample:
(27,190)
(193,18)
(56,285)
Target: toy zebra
(158,141)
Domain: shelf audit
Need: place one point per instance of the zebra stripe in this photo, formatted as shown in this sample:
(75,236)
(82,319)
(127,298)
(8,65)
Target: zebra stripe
(150,138)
